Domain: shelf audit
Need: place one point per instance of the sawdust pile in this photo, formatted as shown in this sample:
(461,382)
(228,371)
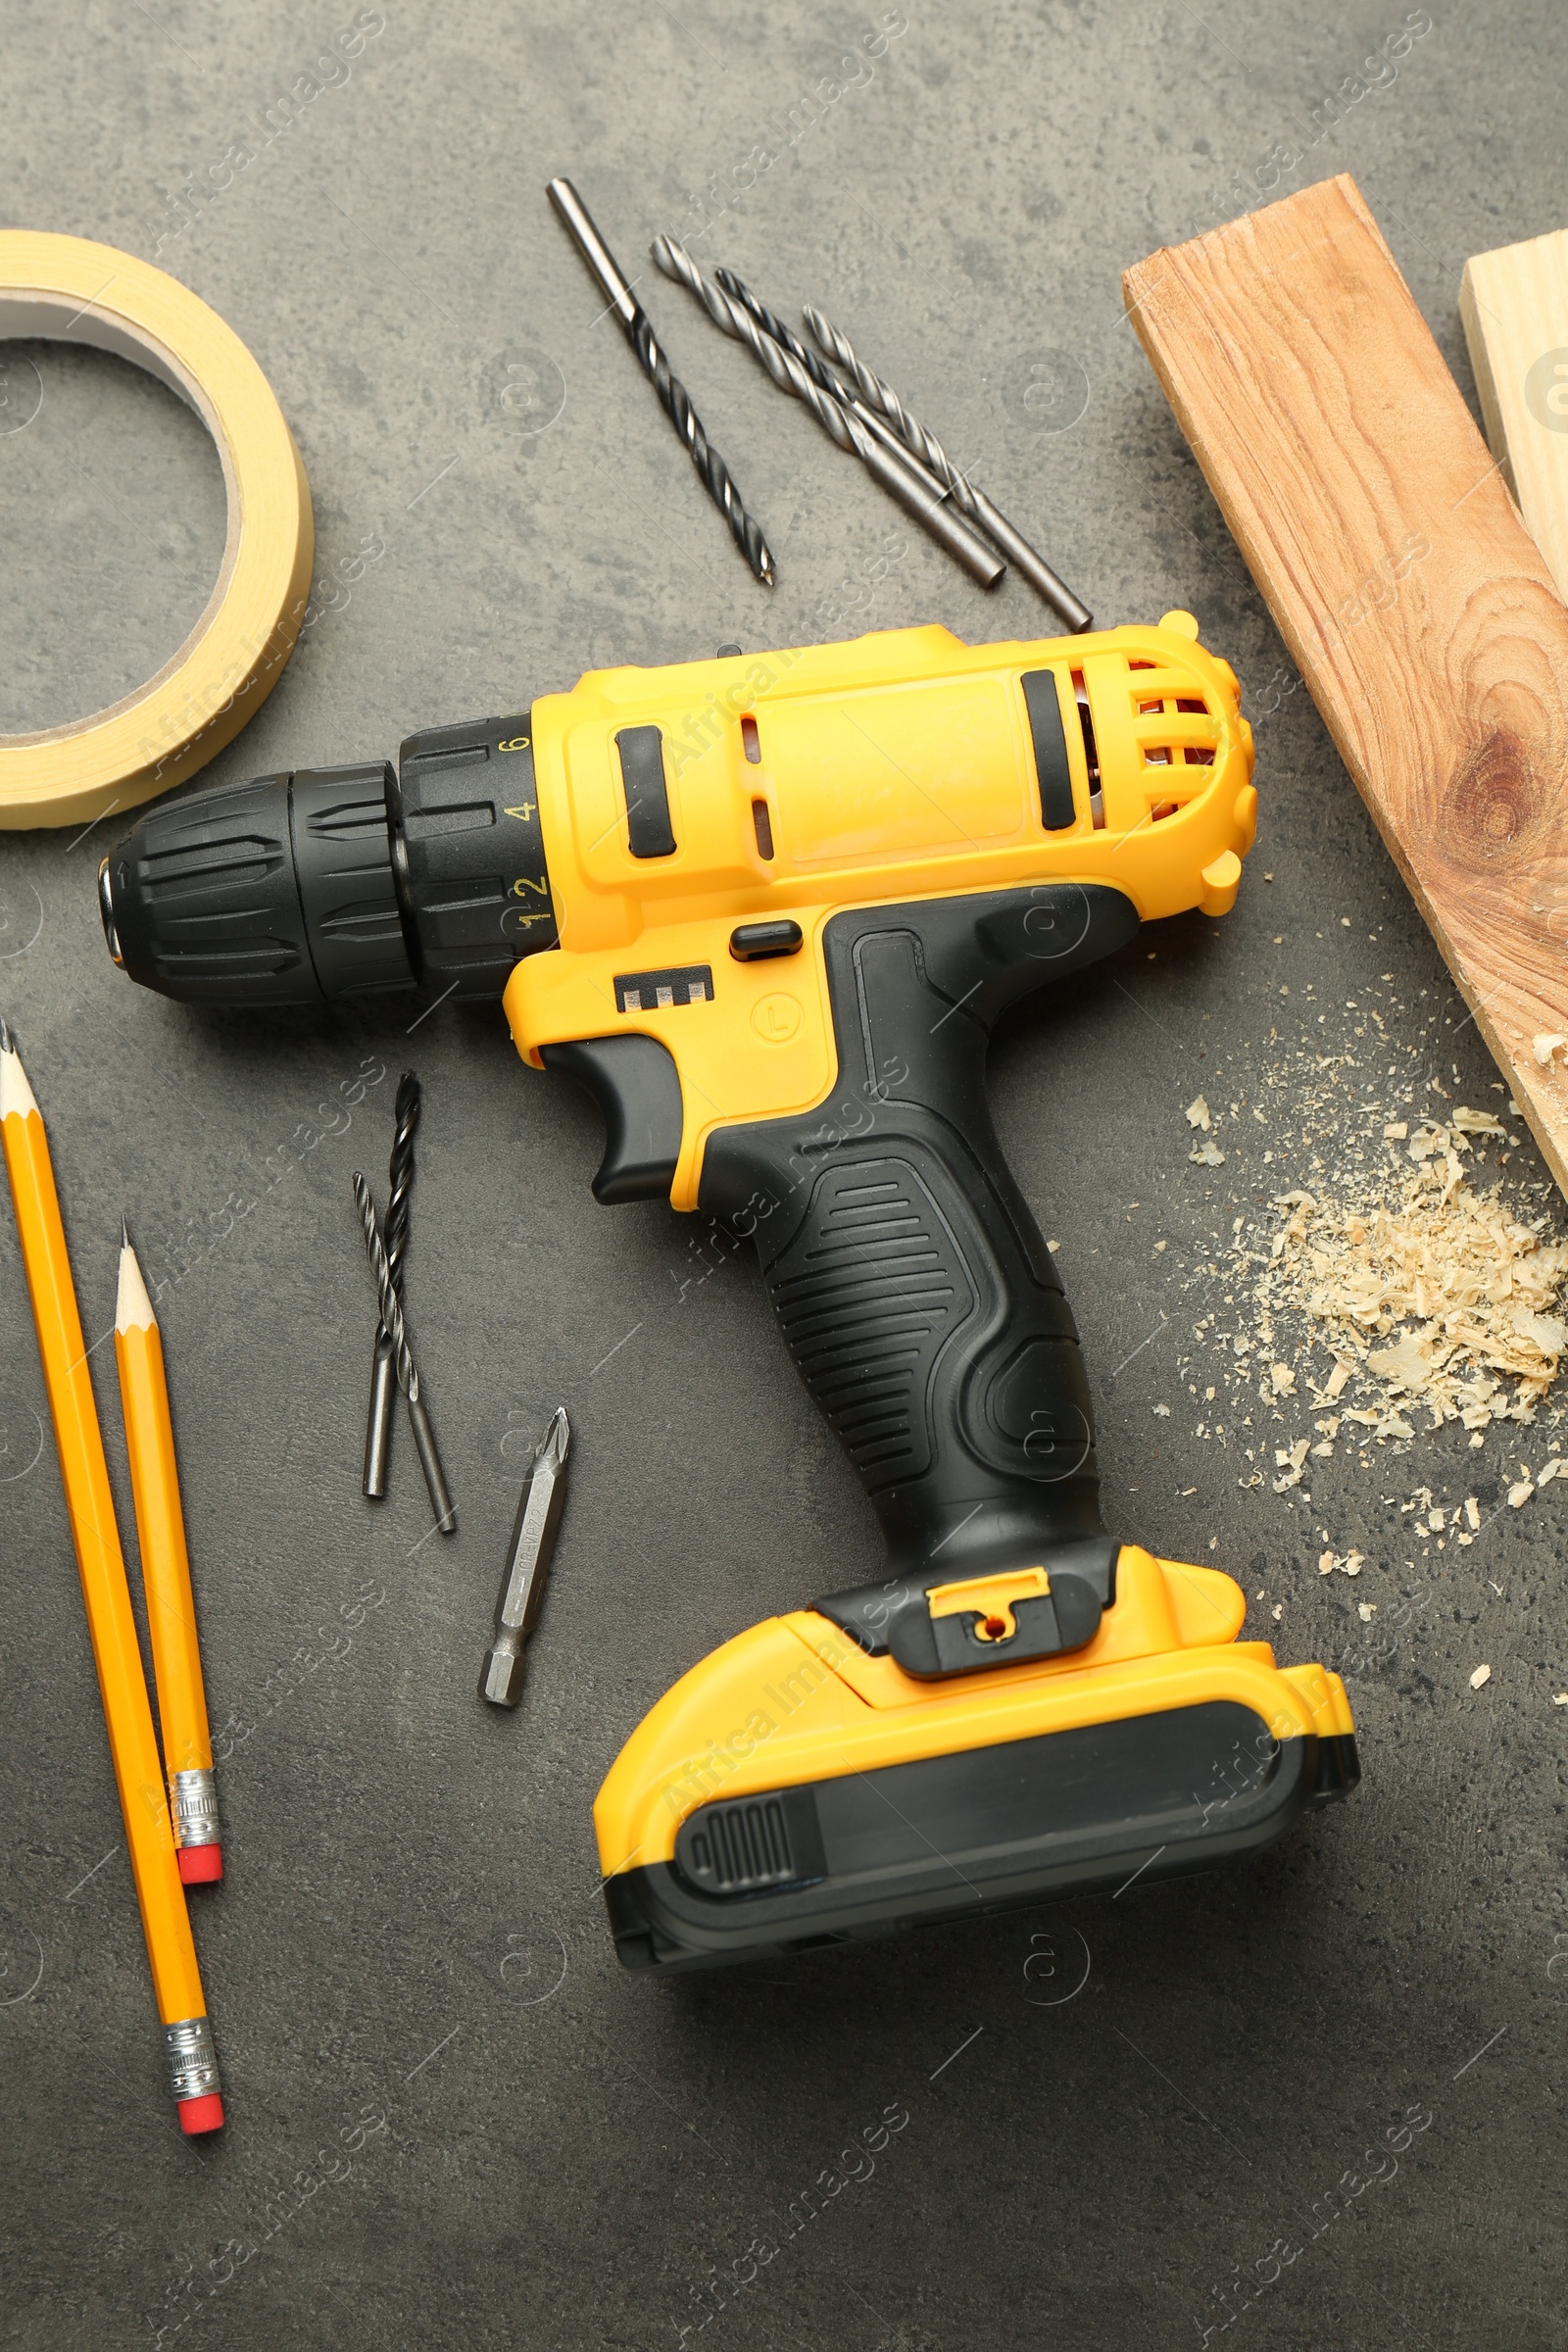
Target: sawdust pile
(1393,1267)
(1394,1280)
(1437,1302)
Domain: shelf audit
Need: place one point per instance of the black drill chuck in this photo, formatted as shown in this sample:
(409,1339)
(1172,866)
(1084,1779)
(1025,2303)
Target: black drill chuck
(340,881)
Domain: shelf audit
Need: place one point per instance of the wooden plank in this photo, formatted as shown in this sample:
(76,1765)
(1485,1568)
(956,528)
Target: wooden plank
(1514,304)
(1418,609)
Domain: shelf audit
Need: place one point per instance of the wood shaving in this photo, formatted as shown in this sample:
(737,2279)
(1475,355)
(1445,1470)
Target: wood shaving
(1411,1278)
(1437,1297)
(1292,1461)
(1481,1677)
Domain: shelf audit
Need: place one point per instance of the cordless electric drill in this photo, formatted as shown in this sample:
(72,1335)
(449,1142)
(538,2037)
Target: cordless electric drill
(766,910)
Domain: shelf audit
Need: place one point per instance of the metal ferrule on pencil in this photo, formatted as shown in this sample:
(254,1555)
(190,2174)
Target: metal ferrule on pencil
(193,1808)
(192,2058)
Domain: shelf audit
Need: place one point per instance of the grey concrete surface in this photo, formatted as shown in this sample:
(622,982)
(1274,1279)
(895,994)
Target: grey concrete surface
(452,2121)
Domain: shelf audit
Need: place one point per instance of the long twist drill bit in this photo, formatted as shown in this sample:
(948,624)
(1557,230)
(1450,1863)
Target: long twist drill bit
(924,445)
(673,397)
(918,495)
(435,1479)
(885,402)
(383,1374)
(828,380)
(528,1557)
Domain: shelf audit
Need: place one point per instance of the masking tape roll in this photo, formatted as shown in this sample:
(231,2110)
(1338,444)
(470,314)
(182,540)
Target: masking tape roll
(73,291)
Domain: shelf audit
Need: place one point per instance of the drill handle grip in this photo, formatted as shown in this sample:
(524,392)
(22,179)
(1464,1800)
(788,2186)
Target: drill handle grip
(908,1272)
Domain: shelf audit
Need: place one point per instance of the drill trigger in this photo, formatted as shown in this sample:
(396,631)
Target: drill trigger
(634,1081)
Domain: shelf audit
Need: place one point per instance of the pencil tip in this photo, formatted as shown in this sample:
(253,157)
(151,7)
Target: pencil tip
(125,1234)
(17,1096)
(133,1307)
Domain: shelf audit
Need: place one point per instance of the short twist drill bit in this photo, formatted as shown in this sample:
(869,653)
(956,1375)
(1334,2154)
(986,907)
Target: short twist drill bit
(408,1376)
(383,1375)
(928,449)
(528,1557)
(673,397)
(918,495)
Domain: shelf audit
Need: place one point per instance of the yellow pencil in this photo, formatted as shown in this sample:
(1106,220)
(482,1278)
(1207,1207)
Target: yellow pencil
(166,1578)
(149,1839)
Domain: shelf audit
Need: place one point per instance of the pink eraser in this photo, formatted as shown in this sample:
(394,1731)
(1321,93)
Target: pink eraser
(199,1866)
(201,2115)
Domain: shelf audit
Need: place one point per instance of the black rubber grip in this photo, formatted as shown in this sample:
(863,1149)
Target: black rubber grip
(1044,706)
(642,774)
(917,1296)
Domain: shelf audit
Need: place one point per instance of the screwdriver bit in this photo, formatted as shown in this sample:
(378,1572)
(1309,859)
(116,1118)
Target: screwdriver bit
(528,1557)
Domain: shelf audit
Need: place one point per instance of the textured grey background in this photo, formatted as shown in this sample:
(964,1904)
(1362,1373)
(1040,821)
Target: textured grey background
(452,2118)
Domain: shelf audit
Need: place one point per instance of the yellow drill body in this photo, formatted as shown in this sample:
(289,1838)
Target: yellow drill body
(768,909)
(897,767)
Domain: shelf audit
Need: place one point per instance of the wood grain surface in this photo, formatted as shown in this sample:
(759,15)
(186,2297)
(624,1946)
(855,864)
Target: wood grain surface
(1514,304)
(1418,609)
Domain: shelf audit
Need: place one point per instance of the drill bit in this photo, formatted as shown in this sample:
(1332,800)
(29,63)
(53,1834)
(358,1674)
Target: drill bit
(884,401)
(828,379)
(383,1376)
(528,1556)
(928,449)
(918,495)
(673,394)
(408,1376)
